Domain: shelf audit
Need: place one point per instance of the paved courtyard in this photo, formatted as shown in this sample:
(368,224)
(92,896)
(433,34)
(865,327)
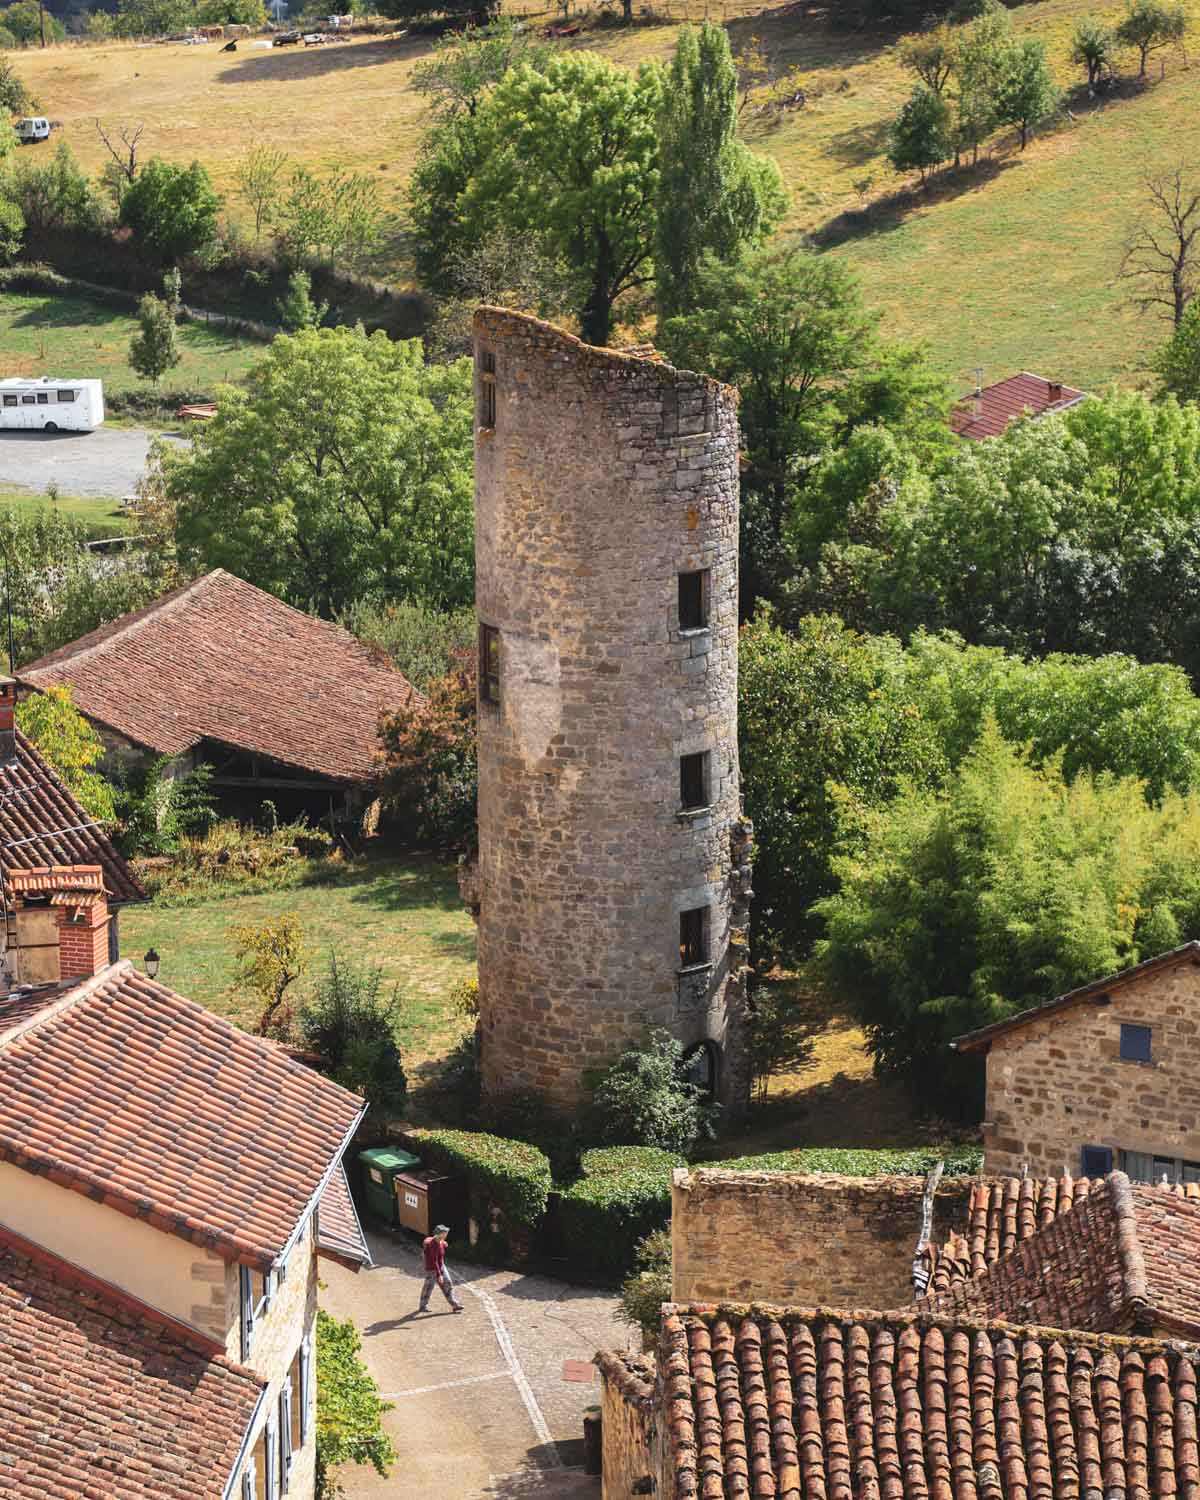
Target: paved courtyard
(481,1405)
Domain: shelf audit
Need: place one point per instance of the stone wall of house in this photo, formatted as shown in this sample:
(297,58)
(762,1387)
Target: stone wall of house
(802,1239)
(629,1425)
(274,1354)
(603,478)
(1059,1084)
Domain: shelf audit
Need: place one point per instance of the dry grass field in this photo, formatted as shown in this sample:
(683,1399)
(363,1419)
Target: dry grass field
(1011,269)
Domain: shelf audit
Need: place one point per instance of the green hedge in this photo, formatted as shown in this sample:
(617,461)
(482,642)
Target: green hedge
(508,1175)
(624,1193)
(961,1161)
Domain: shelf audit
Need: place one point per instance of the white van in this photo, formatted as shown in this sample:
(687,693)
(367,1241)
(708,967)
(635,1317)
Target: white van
(47,405)
(33,128)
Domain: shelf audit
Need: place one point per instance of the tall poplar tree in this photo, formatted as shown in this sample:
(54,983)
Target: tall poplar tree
(714,196)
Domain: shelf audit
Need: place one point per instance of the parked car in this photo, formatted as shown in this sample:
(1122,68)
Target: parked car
(285,39)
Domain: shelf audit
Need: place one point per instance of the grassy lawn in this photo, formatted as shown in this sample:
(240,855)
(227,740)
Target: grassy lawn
(41,334)
(401,913)
(102,516)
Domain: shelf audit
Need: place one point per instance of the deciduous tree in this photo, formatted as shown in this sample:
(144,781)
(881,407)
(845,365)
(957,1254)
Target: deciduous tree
(71,745)
(1093,47)
(714,196)
(270,958)
(1162,251)
(259,179)
(931,56)
(171,209)
(1177,363)
(1027,92)
(154,349)
(340,471)
(1151,25)
(920,137)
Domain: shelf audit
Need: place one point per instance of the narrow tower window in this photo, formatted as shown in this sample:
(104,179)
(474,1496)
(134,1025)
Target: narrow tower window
(489,664)
(693,781)
(487,390)
(693,937)
(693,600)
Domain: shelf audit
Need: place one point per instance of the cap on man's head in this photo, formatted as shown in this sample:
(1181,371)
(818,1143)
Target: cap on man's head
(441,1229)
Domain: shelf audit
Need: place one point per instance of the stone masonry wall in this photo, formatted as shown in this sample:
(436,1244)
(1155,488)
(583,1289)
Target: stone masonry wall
(802,1239)
(291,1318)
(629,1425)
(1060,1084)
(604,477)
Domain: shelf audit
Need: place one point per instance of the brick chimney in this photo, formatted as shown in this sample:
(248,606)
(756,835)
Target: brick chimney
(61,919)
(8,732)
(1054,390)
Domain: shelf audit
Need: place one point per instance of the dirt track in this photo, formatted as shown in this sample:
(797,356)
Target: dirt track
(106,462)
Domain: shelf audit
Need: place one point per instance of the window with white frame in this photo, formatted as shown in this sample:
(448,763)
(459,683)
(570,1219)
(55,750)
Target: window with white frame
(306,1392)
(255,1293)
(285,1434)
(248,1481)
(271,1459)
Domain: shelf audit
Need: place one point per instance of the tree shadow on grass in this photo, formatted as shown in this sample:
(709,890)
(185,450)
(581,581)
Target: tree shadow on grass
(806,36)
(68,312)
(895,209)
(293,64)
(860,143)
(425,882)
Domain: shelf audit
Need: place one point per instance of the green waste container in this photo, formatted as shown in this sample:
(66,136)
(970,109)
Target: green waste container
(380,1167)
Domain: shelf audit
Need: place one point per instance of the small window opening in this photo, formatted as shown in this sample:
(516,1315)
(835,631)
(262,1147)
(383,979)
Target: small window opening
(28,400)
(43,398)
(1135,1043)
(1095,1161)
(693,781)
(693,937)
(10,401)
(487,390)
(693,600)
(66,395)
(489,664)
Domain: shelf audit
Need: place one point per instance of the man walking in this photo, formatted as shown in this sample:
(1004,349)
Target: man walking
(435,1269)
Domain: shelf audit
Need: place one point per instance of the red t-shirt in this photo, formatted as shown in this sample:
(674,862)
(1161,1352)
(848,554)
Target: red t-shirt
(435,1254)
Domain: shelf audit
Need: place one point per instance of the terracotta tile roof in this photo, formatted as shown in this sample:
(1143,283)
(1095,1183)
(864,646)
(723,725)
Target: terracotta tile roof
(42,824)
(41,879)
(1003,1212)
(221,660)
(989,413)
(1095,992)
(631,1374)
(145,1101)
(832,1405)
(339,1232)
(101,1397)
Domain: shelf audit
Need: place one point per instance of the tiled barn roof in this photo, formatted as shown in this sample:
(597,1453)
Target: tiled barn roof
(154,1106)
(102,1397)
(339,1232)
(221,660)
(42,824)
(1123,1259)
(1096,992)
(771,1402)
(990,412)
(1003,1212)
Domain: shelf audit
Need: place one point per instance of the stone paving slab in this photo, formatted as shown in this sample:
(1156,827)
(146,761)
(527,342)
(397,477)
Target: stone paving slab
(481,1407)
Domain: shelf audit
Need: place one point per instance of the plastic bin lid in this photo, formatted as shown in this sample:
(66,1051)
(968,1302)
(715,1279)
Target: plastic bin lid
(384,1156)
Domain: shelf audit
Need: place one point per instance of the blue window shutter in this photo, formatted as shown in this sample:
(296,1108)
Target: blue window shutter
(1135,1043)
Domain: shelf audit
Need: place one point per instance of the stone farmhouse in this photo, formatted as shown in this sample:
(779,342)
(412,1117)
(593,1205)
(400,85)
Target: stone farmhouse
(1051,1351)
(42,824)
(1105,1076)
(613,881)
(167,1183)
(280,704)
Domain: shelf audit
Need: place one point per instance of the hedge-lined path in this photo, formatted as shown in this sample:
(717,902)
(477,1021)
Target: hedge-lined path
(481,1408)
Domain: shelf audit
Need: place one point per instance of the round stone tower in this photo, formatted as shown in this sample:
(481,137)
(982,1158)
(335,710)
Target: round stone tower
(613,880)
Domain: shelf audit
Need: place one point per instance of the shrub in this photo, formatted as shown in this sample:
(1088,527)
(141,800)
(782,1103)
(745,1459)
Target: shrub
(509,1175)
(351,1024)
(231,856)
(156,811)
(623,1195)
(648,1286)
(429,764)
(72,746)
(271,956)
(424,643)
(645,1098)
(349,1407)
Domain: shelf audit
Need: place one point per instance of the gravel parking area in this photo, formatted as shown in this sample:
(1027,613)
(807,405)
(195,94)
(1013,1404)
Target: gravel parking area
(108,462)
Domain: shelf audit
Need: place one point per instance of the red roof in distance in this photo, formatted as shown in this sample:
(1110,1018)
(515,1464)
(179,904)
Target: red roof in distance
(989,412)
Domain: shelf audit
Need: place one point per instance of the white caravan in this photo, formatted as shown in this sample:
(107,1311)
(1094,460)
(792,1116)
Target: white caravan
(47,405)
